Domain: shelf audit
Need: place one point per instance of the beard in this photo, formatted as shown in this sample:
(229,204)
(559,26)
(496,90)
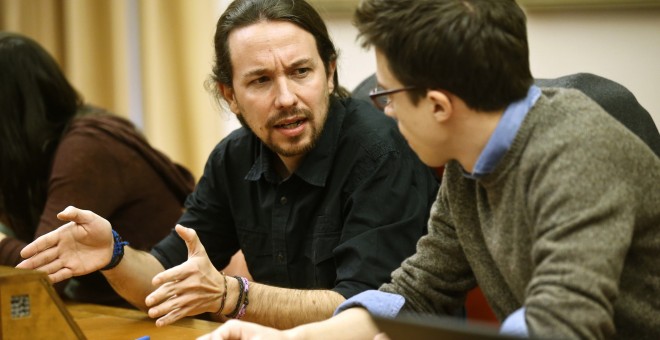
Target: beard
(295,146)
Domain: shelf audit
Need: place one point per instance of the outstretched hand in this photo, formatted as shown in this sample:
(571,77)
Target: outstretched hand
(192,288)
(80,247)
(241,330)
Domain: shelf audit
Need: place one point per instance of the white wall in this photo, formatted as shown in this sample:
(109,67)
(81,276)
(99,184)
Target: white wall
(622,45)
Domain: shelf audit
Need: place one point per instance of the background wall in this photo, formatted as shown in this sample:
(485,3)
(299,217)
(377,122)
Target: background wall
(619,44)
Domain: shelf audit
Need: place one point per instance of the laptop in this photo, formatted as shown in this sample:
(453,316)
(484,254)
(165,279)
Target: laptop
(409,327)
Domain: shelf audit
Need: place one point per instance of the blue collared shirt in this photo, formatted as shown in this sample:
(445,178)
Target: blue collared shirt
(384,304)
(505,131)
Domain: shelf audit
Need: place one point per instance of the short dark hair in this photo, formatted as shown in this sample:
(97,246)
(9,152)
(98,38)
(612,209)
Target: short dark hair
(243,13)
(475,49)
(37,104)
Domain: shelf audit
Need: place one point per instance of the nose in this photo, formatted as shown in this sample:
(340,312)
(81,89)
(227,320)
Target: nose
(285,95)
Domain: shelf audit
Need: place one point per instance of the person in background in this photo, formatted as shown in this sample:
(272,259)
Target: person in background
(320,192)
(56,151)
(547,202)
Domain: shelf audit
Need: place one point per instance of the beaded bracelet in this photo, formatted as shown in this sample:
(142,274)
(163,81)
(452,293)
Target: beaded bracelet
(117,251)
(224,295)
(241,302)
(244,305)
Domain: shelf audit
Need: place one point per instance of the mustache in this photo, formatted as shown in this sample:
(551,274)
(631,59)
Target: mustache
(290,113)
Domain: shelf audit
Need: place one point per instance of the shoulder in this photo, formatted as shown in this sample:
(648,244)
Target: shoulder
(566,125)
(367,129)
(616,100)
(238,147)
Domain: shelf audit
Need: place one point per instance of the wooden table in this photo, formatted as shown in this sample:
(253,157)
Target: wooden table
(103,322)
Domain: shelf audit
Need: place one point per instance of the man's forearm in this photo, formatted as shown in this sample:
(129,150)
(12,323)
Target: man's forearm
(132,277)
(281,307)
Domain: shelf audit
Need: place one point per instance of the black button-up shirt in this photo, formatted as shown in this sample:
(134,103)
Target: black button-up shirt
(344,220)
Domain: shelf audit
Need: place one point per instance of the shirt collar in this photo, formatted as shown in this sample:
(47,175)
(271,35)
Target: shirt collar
(315,168)
(506,130)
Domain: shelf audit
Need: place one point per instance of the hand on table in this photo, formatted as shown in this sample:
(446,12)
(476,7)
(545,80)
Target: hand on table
(242,330)
(82,246)
(192,288)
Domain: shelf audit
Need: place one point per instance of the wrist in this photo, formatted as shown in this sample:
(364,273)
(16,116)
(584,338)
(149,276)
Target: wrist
(241,299)
(117,251)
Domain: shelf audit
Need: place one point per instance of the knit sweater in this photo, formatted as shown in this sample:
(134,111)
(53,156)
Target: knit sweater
(568,226)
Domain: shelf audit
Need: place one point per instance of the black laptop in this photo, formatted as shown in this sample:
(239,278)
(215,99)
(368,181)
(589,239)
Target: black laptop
(416,327)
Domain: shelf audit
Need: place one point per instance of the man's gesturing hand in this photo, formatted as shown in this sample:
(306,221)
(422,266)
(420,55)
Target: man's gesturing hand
(192,288)
(82,246)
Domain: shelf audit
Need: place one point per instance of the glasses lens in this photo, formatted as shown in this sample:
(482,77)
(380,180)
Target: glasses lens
(379,98)
(382,101)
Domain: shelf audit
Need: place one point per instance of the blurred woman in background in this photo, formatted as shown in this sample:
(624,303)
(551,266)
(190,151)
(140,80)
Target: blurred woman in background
(55,151)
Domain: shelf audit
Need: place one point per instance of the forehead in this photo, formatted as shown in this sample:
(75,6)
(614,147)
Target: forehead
(268,43)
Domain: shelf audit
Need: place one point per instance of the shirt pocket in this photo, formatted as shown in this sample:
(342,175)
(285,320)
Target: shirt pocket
(256,246)
(320,251)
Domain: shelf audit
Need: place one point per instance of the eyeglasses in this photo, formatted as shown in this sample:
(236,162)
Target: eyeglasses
(381,97)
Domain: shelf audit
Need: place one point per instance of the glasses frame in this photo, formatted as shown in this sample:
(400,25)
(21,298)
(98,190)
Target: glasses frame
(376,93)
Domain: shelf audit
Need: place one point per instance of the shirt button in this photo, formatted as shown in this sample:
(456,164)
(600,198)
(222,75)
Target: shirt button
(283,200)
(280,257)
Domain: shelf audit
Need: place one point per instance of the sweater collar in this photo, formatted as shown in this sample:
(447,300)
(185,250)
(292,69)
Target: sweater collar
(505,132)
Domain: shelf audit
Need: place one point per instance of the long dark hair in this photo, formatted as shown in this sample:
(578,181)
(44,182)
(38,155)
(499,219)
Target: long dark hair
(37,104)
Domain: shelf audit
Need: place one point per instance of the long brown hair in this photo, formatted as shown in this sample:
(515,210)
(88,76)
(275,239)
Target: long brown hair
(37,103)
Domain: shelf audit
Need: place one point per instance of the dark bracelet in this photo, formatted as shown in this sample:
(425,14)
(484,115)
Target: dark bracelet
(245,303)
(224,296)
(117,251)
(241,297)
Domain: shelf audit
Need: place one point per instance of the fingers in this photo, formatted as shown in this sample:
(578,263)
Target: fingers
(173,309)
(173,274)
(42,243)
(158,296)
(170,318)
(237,330)
(52,266)
(230,330)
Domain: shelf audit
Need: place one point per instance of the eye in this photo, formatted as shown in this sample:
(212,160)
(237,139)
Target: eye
(301,72)
(260,80)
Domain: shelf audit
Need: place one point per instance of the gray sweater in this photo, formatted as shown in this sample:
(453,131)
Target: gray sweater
(567,226)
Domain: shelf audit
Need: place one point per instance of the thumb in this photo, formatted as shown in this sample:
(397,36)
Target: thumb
(192,241)
(73,214)
(68,214)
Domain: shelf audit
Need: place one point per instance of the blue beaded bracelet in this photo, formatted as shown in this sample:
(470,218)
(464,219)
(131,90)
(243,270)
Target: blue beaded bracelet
(117,251)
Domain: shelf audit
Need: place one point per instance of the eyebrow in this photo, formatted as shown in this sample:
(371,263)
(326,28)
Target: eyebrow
(294,65)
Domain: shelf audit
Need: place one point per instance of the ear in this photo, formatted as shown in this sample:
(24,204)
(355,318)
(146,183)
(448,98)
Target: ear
(442,106)
(228,95)
(332,66)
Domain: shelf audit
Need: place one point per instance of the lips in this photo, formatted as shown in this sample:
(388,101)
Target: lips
(290,123)
(292,127)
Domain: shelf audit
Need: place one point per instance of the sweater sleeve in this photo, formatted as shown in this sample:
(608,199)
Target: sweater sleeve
(436,278)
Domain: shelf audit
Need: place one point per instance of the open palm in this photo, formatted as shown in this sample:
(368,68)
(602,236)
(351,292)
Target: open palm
(79,247)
